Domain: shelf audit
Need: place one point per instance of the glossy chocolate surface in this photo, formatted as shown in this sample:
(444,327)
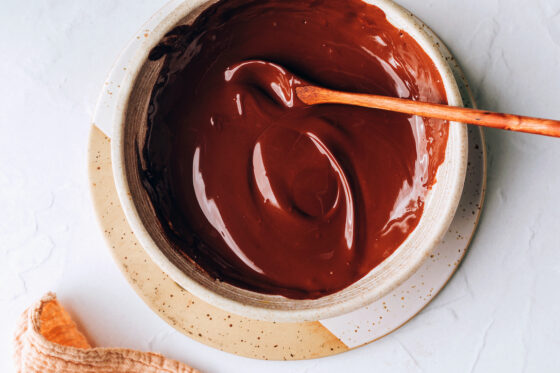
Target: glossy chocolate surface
(264,192)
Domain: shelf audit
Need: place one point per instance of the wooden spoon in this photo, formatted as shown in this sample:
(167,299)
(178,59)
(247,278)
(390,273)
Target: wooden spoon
(312,95)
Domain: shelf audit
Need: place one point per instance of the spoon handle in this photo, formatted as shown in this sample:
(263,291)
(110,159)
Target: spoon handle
(312,95)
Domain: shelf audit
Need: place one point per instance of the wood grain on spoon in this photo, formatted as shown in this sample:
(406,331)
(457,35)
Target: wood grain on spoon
(312,95)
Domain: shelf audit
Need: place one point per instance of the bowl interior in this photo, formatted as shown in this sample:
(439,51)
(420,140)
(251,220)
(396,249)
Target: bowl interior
(129,134)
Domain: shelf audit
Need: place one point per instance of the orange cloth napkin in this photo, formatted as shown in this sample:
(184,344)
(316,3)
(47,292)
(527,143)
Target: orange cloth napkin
(47,340)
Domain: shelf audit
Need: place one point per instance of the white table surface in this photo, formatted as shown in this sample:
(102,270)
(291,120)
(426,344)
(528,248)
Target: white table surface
(500,312)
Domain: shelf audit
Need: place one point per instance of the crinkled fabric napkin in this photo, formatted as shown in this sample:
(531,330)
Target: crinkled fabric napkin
(47,340)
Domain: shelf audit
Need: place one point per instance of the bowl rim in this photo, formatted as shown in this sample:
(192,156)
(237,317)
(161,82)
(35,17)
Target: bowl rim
(436,50)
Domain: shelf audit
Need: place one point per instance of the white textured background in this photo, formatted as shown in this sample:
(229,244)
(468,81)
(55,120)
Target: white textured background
(501,311)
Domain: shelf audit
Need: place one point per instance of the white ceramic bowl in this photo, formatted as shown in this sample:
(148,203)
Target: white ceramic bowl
(440,205)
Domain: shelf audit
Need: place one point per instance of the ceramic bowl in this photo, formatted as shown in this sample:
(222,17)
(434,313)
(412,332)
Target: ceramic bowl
(440,205)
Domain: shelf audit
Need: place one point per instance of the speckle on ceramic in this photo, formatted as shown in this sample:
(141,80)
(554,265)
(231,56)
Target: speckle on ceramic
(279,341)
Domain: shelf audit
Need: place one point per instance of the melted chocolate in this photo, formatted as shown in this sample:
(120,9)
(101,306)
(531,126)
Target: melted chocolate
(271,195)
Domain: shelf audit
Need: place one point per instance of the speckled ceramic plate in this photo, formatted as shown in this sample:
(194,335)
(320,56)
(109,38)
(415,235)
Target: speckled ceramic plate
(259,339)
